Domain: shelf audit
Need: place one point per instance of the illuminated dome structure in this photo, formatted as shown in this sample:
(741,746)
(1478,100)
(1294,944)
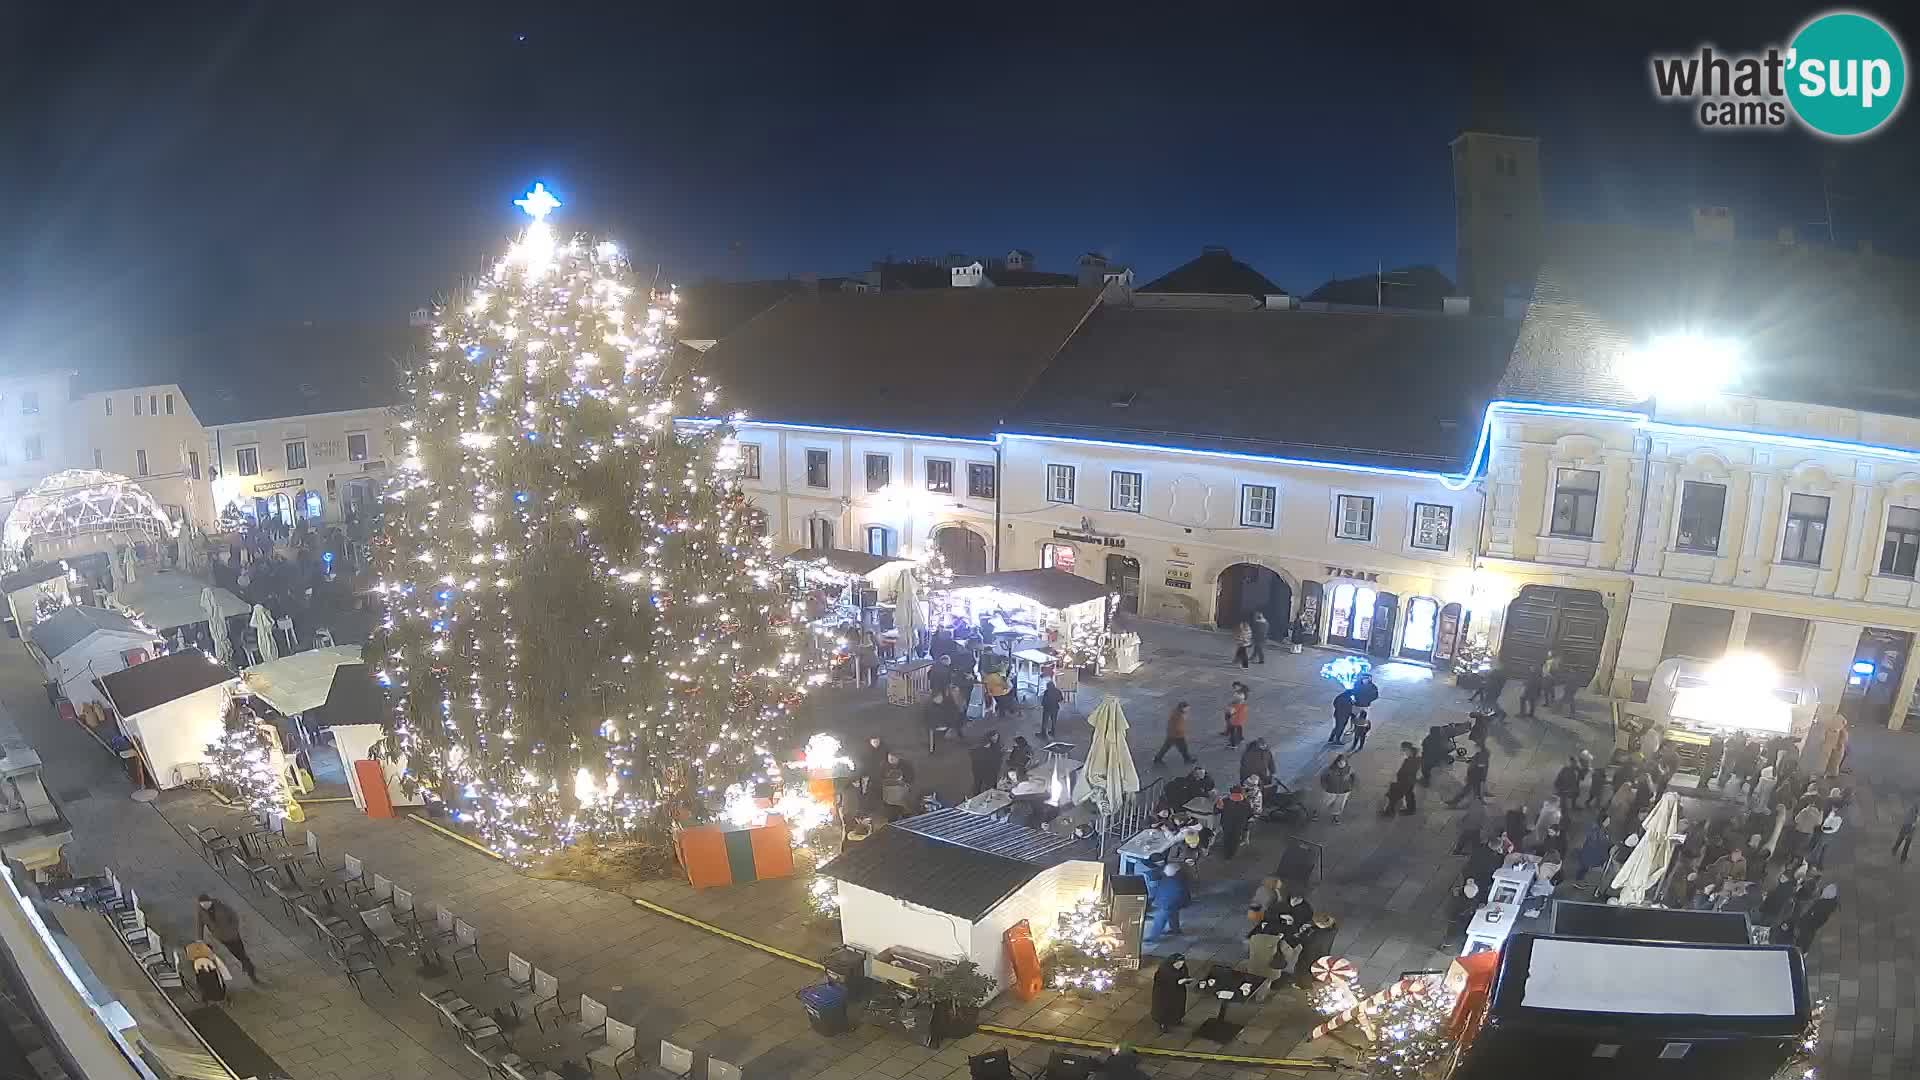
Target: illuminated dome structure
(80,510)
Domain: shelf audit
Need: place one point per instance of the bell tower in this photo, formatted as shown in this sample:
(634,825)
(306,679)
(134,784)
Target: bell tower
(1497,206)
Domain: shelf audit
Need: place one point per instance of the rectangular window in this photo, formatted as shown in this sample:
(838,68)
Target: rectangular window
(169,404)
(879,540)
(1258,505)
(750,461)
(109,403)
(1806,529)
(820,534)
(1057,557)
(879,471)
(31,451)
(153,404)
(1356,518)
(1432,526)
(1060,483)
(1702,508)
(1576,497)
(817,470)
(137,405)
(1901,548)
(357,447)
(140,462)
(29,402)
(940,476)
(981,481)
(297,454)
(96,459)
(247,460)
(1127,487)
(193,464)
(1697,632)
(1780,638)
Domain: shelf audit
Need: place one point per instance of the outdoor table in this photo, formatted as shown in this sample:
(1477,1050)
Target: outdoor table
(1141,847)
(1229,986)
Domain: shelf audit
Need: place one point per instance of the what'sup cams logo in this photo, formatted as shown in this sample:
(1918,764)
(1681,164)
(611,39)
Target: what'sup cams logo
(1843,75)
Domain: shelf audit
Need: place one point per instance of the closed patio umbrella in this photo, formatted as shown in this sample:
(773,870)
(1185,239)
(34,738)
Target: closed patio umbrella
(1109,778)
(217,627)
(263,630)
(907,621)
(1646,868)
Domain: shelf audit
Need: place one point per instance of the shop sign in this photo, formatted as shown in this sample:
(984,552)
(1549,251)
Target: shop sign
(369,466)
(1357,575)
(1179,575)
(1089,538)
(280,485)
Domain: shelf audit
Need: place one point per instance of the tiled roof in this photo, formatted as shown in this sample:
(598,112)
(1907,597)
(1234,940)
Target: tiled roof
(962,879)
(713,310)
(158,681)
(1420,288)
(1215,271)
(1814,325)
(265,373)
(1406,391)
(932,362)
(73,624)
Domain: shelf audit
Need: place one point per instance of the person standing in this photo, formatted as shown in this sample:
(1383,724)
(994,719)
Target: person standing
(1256,762)
(1236,717)
(1316,943)
(1364,692)
(896,787)
(1436,750)
(1236,816)
(1050,701)
(1242,643)
(1549,677)
(222,923)
(1806,824)
(1343,706)
(1167,893)
(1362,727)
(1476,784)
(1019,758)
(1566,785)
(1530,693)
(1400,795)
(1337,781)
(1807,926)
(1903,843)
(1829,826)
(1260,628)
(1176,735)
(1597,789)
(986,763)
(1170,992)
(873,768)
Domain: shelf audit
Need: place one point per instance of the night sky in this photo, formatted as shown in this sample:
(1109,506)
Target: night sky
(171,170)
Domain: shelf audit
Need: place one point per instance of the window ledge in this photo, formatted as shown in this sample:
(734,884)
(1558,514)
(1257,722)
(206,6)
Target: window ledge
(1567,536)
(1709,552)
(1797,564)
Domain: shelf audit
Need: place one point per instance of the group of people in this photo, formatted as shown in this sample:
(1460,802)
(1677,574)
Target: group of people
(1284,937)
(1538,686)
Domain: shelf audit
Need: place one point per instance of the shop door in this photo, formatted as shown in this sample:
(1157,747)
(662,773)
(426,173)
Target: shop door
(1417,642)
(1873,681)
(1312,599)
(1245,588)
(1386,611)
(1571,622)
(1350,616)
(1447,638)
(1123,577)
(964,550)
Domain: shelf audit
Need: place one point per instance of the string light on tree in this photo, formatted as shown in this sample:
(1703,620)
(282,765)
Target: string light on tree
(240,763)
(1083,949)
(582,629)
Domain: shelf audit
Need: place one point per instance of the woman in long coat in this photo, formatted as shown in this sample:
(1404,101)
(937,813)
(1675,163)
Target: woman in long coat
(1170,992)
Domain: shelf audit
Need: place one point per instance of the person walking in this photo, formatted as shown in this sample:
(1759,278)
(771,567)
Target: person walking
(1260,628)
(1436,749)
(1400,794)
(1530,693)
(1236,816)
(1242,643)
(1343,706)
(1050,700)
(896,787)
(1807,926)
(1236,717)
(1362,727)
(1256,762)
(1476,784)
(221,923)
(986,759)
(1176,736)
(1337,781)
(1566,785)
(1903,843)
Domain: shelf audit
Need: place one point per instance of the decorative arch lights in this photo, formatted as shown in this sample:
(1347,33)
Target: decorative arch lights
(82,502)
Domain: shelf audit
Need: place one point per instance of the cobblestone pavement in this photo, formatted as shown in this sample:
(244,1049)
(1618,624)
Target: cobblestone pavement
(1385,879)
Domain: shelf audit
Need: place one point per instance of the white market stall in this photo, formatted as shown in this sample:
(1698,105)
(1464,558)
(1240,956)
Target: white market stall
(77,645)
(168,599)
(950,884)
(1694,702)
(170,709)
(22,591)
(1041,618)
(292,685)
(354,711)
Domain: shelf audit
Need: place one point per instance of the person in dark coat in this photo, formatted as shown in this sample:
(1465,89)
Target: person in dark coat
(1362,727)
(1170,992)
(1050,700)
(1598,790)
(1020,757)
(1481,720)
(1483,861)
(1530,691)
(1257,760)
(986,763)
(1400,794)
(215,921)
(1236,814)
(1566,784)
(1435,750)
(873,766)
(1365,693)
(1476,784)
(1807,926)
(1315,943)
(1343,707)
(1778,901)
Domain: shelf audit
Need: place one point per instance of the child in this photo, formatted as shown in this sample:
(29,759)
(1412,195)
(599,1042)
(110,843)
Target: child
(1361,726)
(1237,717)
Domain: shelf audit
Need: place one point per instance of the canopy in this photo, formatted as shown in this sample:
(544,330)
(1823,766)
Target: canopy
(216,625)
(263,630)
(299,682)
(1646,868)
(169,599)
(1049,588)
(1109,777)
(855,563)
(907,620)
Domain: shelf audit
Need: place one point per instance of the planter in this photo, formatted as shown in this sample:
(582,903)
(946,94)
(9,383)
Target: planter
(956,1021)
(921,1025)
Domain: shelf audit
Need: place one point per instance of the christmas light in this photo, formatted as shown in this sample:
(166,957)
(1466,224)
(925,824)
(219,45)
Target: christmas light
(1083,949)
(241,763)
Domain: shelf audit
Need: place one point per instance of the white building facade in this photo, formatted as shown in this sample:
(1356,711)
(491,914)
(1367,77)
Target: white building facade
(152,435)
(326,467)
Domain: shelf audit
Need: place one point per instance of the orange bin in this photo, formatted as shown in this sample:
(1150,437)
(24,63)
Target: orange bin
(1024,960)
(727,855)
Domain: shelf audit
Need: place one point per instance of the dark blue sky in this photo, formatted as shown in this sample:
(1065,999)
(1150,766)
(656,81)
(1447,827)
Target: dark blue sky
(215,162)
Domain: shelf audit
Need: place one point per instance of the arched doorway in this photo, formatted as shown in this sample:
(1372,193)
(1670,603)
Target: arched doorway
(964,549)
(1245,588)
(1123,577)
(1421,637)
(1569,622)
(1350,615)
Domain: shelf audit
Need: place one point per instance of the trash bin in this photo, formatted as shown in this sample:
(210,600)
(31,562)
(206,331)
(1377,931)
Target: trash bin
(826,1009)
(847,968)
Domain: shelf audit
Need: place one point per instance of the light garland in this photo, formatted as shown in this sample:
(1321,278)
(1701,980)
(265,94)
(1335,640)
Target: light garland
(583,632)
(823,895)
(1083,949)
(241,761)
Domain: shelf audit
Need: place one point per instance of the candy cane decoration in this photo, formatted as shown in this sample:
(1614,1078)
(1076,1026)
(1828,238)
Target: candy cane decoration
(1328,968)
(1400,989)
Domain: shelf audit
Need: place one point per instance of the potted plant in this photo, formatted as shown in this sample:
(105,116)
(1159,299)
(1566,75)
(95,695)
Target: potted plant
(956,992)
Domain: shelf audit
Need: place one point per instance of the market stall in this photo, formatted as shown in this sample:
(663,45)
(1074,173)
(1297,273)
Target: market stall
(77,645)
(847,594)
(1695,705)
(293,685)
(24,591)
(1057,618)
(354,712)
(169,601)
(171,709)
(950,884)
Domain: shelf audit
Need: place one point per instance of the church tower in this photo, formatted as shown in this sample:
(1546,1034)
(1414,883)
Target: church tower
(1497,208)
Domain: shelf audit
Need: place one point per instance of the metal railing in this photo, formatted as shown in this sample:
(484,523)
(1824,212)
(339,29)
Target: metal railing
(1133,815)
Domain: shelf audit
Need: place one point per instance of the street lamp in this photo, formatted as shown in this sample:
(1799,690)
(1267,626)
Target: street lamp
(1680,367)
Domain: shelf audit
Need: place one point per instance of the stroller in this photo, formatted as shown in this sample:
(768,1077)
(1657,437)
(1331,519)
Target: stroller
(1453,733)
(205,973)
(1278,802)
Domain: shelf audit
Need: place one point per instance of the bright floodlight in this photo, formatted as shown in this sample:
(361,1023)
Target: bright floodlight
(1681,367)
(1749,673)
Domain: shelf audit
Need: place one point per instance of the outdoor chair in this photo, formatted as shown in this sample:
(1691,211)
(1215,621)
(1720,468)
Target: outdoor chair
(134,931)
(382,890)
(619,1047)
(675,1060)
(288,897)
(722,1070)
(403,909)
(322,924)
(147,949)
(121,911)
(212,843)
(545,990)
(386,933)
(443,925)
(358,965)
(167,971)
(252,870)
(466,939)
(449,1005)
(313,854)
(353,879)
(493,1059)
(592,1018)
(517,976)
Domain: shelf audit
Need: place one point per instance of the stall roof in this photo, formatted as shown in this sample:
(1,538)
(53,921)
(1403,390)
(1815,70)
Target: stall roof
(293,684)
(167,599)
(847,562)
(156,682)
(353,698)
(912,862)
(1052,588)
(32,575)
(72,625)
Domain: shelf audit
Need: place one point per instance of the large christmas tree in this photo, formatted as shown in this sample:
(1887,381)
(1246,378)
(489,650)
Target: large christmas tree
(583,632)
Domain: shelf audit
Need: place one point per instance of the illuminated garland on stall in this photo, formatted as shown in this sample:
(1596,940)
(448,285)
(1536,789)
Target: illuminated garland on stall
(584,630)
(1083,949)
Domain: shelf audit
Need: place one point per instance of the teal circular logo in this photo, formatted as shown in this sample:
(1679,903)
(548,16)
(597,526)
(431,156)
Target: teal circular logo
(1847,74)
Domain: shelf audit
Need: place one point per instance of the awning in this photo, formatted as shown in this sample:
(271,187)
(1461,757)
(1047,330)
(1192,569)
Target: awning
(294,684)
(354,699)
(169,599)
(1049,588)
(847,562)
